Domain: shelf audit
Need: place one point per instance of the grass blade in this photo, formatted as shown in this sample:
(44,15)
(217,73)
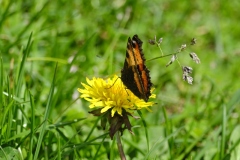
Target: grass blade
(46,116)
(145,128)
(223,137)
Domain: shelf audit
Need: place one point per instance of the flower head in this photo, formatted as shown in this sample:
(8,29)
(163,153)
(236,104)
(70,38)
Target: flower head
(111,97)
(186,71)
(195,57)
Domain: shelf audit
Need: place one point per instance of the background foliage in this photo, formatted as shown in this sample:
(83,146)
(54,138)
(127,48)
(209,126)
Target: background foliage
(48,47)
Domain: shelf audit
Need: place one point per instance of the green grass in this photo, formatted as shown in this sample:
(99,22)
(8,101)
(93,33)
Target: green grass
(47,48)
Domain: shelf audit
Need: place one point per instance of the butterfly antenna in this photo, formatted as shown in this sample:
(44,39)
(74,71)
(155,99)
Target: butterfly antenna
(113,83)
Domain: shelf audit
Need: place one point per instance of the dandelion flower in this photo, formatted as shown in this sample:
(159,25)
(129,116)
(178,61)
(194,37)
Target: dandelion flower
(111,97)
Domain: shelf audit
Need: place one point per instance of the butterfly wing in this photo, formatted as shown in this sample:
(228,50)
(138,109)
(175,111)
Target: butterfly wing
(135,75)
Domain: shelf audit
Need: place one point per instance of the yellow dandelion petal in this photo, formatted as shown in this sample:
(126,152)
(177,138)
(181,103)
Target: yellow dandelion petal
(153,96)
(109,103)
(126,106)
(89,81)
(84,96)
(113,112)
(97,104)
(106,108)
(92,106)
(119,110)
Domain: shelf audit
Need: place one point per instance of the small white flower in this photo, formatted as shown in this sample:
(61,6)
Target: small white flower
(173,58)
(194,57)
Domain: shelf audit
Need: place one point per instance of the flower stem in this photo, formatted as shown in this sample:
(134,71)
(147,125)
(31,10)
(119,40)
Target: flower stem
(161,56)
(120,148)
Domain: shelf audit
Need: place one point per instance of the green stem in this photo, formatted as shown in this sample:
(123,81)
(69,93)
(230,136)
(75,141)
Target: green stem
(162,56)
(120,147)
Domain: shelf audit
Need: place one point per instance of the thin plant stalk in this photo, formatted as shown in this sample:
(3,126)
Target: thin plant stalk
(120,147)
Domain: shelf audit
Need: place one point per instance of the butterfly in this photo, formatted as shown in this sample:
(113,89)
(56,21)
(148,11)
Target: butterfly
(135,75)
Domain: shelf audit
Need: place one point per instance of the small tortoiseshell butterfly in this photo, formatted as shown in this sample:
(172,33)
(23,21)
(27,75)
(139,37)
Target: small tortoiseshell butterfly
(135,75)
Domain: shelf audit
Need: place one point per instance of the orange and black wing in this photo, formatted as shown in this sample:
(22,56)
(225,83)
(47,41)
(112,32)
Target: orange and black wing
(135,75)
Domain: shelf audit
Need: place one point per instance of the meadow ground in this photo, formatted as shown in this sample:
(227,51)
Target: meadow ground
(47,48)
